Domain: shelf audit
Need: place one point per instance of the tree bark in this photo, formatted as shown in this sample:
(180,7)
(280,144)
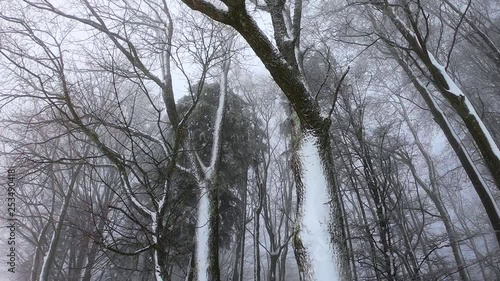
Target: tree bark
(450,91)
(54,242)
(470,168)
(435,196)
(312,124)
(207,233)
(256,223)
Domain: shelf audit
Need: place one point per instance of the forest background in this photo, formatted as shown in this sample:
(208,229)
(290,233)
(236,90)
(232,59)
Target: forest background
(252,140)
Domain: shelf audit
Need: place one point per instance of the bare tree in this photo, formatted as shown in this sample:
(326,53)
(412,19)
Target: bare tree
(283,61)
(415,38)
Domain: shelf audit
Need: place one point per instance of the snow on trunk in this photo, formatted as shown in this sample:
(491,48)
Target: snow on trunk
(219,118)
(155,253)
(489,196)
(455,90)
(482,137)
(204,250)
(321,254)
(202,237)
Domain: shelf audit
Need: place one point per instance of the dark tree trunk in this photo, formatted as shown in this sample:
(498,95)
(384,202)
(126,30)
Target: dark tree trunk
(472,171)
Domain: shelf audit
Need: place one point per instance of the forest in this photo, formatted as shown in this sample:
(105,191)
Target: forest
(234,140)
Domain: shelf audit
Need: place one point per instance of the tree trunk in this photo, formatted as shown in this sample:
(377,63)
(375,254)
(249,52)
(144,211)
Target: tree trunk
(375,192)
(243,227)
(42,237)
(237,256)
(213,249)
(470,168)
(91,258)
(256,223)
(492,51)
(317,257)
(366,228)
(434,196)
(207,232)
(453,94)
(240,235)
(350,248)
(273,266)
(54,242)
(314,141)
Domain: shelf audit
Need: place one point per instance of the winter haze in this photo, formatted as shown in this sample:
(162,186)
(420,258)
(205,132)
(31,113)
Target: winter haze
(237,140)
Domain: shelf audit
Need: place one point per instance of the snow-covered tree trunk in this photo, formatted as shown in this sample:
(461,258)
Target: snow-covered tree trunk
(448,89)
(156,227)
(317,256)
(207,249)
(239,257)
(202,236)
(469,166)
(284,64)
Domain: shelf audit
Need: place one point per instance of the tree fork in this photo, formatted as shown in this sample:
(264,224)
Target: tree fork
(293,86)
